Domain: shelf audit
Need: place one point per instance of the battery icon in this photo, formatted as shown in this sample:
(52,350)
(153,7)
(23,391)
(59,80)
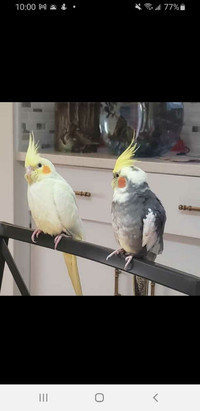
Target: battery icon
(182,6)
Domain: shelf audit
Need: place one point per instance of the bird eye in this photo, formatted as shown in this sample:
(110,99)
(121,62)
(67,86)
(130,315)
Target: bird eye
(117,175)
(39,165)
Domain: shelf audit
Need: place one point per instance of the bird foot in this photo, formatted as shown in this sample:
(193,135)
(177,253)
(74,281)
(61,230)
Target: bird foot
(58,238)
(116,252)
(128,259)
(35,234)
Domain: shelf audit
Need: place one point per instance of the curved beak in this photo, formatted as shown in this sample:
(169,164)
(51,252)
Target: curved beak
(113,183)
(28,173)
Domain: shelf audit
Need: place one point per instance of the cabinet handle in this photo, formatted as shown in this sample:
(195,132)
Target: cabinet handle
(189,208)
(83,193)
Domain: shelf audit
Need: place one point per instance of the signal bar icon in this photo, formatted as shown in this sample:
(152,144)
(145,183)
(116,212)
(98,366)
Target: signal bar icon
(158,7)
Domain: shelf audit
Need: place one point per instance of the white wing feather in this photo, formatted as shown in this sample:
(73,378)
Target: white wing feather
(149,231)
(65,202)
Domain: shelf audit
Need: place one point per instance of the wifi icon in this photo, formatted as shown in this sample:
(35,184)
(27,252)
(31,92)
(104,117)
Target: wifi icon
(148,6)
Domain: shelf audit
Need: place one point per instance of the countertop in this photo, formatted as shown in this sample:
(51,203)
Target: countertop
(171,164)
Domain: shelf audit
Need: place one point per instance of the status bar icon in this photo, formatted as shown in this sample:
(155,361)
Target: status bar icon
(148,6)
(42,6)
(138,6)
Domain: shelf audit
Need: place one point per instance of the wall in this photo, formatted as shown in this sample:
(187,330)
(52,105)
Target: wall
(39,118)
(191,129)
(6,180)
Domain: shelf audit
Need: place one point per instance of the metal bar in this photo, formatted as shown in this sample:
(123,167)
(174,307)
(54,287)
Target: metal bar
(152,288)
(160,274)
(117,273)
(2,259)
(13,269)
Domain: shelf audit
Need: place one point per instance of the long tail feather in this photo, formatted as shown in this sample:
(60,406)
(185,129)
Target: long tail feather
(141,286)
(72,267)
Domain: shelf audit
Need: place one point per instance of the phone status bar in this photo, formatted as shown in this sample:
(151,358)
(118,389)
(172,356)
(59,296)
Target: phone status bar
(160,6)
(100,7)
(46,7)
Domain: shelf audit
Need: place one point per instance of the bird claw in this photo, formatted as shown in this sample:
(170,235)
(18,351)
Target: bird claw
(58,238)
(128,259)
(116,252)
(35,234)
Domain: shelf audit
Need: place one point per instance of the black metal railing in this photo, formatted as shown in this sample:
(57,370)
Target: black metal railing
(177,280)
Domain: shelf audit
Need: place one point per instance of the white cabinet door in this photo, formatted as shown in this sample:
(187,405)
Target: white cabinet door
(98,183)
(181,253)
(175,190)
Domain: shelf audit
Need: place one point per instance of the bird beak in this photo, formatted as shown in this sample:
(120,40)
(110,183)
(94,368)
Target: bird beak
(27,176)
(113,183)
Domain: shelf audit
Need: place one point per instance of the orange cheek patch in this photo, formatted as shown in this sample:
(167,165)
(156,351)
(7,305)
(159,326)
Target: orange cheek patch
(46,169)
(121,182)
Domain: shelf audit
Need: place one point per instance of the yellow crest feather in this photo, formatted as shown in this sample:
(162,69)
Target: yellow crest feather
(32,155)
(125,159)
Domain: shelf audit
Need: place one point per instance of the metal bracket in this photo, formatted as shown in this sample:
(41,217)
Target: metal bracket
(6,256)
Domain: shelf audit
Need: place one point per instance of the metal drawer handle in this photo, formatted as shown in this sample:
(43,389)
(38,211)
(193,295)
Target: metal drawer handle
(189,208)
(83,193)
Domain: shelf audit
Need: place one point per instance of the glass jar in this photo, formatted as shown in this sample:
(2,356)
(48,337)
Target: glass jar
(158,126)
(77,127)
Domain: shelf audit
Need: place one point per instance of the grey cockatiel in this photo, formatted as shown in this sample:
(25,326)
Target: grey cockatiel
(138,217)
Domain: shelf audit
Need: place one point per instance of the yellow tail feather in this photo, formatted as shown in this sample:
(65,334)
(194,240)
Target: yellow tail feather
(71,263)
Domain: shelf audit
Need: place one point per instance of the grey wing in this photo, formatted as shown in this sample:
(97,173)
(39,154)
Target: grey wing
(115,222)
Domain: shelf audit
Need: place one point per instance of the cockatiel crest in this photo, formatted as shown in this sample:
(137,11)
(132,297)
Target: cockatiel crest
(125,170)
(32,156)
(37,167)
(125,159)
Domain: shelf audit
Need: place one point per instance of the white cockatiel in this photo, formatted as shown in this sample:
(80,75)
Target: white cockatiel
(53,205)
(138,217)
